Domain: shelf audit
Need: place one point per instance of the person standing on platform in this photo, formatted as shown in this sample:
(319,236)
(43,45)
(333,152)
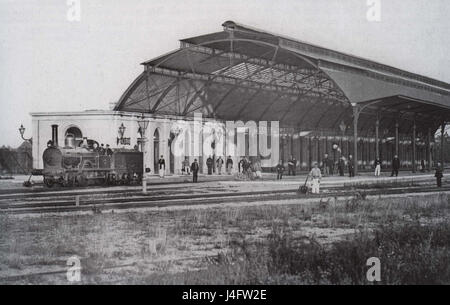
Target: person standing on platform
(229,165)
(315,176)
(377,165)
(209,164)
(109,151)
(330,167)
(162,166)
(194,168)
(438,174)
(341,166)
(219,165)
(280,170)
(422,166)
(351,166)
(186,167)
(95,147)
(241,165)
(292,166)
(326,165)
(395,166)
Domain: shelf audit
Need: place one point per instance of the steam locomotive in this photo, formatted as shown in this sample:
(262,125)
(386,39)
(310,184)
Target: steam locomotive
(83,164)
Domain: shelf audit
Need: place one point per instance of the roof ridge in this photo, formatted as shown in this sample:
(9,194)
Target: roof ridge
(231,25)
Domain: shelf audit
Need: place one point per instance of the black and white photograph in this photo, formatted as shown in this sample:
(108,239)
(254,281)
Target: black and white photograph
(228,145)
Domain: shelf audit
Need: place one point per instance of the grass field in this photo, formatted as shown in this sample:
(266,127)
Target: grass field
(326,242)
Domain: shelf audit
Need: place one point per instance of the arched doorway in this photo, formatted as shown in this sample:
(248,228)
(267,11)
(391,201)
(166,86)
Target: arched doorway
(156,150)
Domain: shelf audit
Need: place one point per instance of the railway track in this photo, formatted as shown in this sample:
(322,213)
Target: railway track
(126,199)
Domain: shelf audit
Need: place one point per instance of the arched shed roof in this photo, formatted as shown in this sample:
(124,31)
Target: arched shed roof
(243,73)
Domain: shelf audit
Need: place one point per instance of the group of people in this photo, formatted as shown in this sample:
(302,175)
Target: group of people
(254,169)
(102,150)
(186,167)
(342,163)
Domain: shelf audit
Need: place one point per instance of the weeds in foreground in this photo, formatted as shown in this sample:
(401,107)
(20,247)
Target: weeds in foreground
(409,254)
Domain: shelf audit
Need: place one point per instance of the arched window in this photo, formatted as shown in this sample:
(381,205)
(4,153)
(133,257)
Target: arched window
(73,137)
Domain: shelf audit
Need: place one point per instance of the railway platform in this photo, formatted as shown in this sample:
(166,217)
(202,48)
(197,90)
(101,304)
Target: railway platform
(269,180)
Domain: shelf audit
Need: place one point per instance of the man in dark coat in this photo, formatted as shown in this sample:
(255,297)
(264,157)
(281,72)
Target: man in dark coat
(292,164)
(162,166)
(377,167)
(351,166)
(280,170)
(438,174)
(194,168)
(241,165)
(341,166)
(326,165)
(395,166)
(109,151)
(422,166)
(209,164)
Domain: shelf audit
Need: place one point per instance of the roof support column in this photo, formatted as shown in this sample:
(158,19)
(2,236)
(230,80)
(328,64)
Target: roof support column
(396,139)
(356,113)
(442,145)
(377,141)
(414,147)
(318,151)
(310,153)
(429,149)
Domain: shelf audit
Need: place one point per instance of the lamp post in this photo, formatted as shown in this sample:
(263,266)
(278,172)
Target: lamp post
(22,132)
(143,124)
(335,148)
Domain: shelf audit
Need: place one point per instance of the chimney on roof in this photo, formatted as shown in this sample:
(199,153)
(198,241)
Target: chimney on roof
(55,135)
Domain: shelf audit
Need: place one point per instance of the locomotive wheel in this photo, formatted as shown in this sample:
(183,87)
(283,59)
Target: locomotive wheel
(49,182)
(106,179)
(82,180)
(60,181)
(111,180)
(66,181)
(126,179)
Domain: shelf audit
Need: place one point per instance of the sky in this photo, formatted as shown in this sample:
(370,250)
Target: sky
(49,63)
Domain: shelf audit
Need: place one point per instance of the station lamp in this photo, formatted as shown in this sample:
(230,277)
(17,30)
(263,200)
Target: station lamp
(22,132)
(121,133)
(121,130)
(143,124)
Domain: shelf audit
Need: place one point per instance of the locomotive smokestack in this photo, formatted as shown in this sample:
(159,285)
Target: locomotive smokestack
(55,135)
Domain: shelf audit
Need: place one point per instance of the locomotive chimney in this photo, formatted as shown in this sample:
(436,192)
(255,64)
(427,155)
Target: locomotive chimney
(55,135)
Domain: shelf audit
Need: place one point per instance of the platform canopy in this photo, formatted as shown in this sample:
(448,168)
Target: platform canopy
(243,73)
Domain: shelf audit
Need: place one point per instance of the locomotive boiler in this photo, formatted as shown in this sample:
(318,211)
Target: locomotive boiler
(83,164)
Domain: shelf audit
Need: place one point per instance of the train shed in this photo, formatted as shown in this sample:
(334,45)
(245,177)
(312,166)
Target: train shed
(320,97)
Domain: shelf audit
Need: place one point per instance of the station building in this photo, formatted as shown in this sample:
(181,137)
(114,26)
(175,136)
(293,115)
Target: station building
(320,102)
